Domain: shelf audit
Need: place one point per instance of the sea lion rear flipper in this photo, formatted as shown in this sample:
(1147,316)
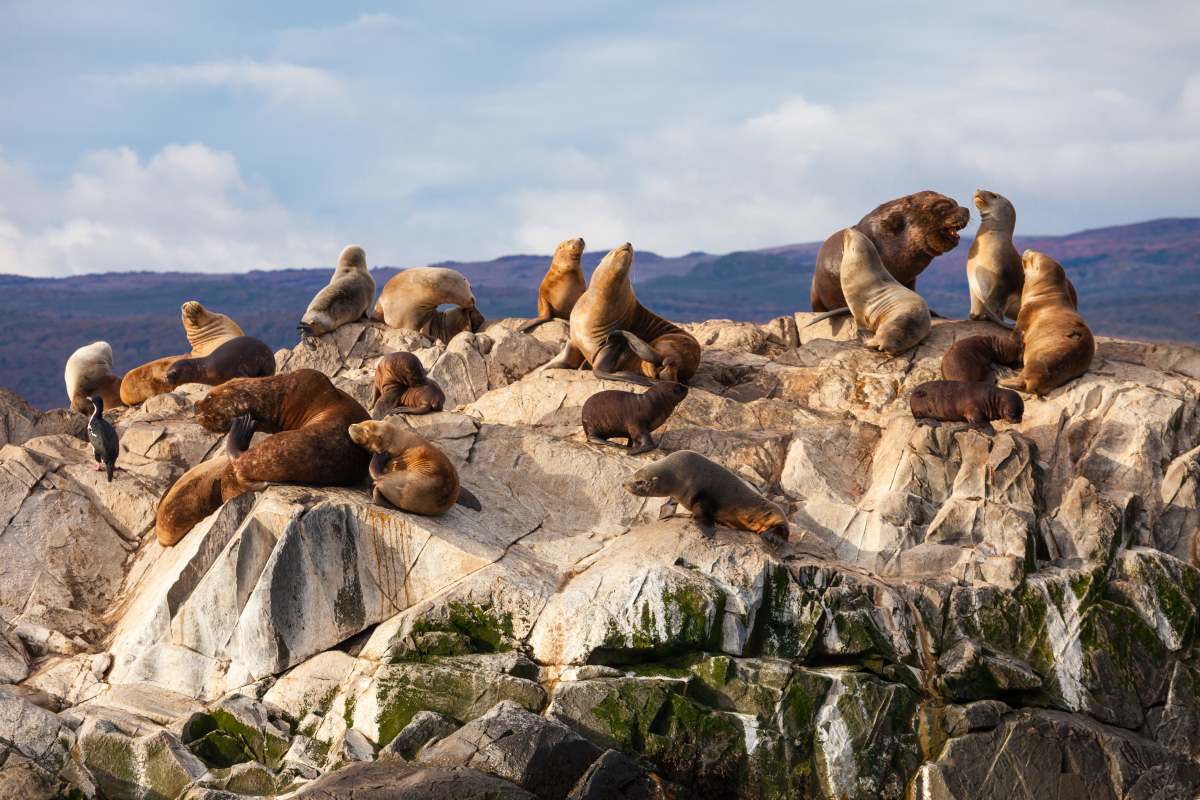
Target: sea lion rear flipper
(837,312)
(640,348)
(606,361)
(378,466)
(241,431)
(533,323)
(467,499)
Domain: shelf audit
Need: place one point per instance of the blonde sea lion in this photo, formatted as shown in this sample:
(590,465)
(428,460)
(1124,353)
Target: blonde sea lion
(615,334)
(345,299)
(89,371)
(897,316)
(994,273)
(409,300)
(561,287)
(1056,344)
(206,331)
(148,380)
(409,472)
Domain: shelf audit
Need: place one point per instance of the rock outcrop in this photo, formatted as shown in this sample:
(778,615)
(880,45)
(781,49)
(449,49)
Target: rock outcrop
(957,615)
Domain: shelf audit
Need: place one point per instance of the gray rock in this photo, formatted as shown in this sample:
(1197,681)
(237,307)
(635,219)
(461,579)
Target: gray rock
(613,776)
(397,780)
(424,727)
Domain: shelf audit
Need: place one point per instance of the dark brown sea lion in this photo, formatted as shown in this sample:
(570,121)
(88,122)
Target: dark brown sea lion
(971,359)
(614,413)
(561,287)
(89,371)
(959,401)
(1056,344)
(345,299)
(616,335)
(206,331)
(712,493)
(908,233)
(445,325)
(240,357)
(409,472)
(402,387)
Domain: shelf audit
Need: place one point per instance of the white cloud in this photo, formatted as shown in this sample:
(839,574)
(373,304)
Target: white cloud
(280,82)
(187,208)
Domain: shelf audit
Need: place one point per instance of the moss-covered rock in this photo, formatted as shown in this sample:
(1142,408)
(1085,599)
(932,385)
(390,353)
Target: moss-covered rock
(696,746)
(156,766)
(614,712)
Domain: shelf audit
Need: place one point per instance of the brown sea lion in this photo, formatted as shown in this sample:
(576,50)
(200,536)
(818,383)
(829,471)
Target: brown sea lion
(614,413)
(347,298)
(971,359)
(1056,344)
(562,285)
(445,325)
(712,493)
(897,316)
(189,500)
(206,330)
(402,387)
(960,401)
(410,299)
(615,334)
(148,380)
(240,357)
(908,233)
(410,472)
(89,371)
(994,273)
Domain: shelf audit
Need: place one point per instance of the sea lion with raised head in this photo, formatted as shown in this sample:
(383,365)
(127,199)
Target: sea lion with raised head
(1056,344)
(970,359)
(898,317)
(561,287)
(908,233)
(994,274)
(712,493)
(409,301)
(89,371)
(347,298)
(240,357)
(614,413)
(409,472)
(403,387)
(206,331)
(959,401)
(619,337)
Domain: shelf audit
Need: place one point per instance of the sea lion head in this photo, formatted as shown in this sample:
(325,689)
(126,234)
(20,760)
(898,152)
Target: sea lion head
(474,317)
(857,248)
(352,259)
(645,483)
(181,372)
(225,403)
(569,251)
(928,220)
(1042,271)
(614,267)
(193,313)
(995,208)
(1012,407)
(368,435)
(670,389)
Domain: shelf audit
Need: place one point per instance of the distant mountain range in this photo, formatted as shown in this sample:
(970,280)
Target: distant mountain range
(1137,281)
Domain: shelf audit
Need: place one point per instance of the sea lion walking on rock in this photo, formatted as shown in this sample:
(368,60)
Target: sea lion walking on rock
(561,287)
(615,334)
(712,493)
(960,401)
(994,273)
(241,357)
(89,372)
(409,472)
(1056,344)
(614,413)
(402,387)
(106,445)
(347,298)
(409,301)
(971,359)
(897,316)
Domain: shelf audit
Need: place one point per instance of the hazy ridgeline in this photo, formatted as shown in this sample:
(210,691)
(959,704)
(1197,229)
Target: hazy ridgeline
(1136,281)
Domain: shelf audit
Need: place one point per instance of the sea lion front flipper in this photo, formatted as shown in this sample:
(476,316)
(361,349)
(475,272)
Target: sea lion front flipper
(639,347)
(606,361)
(533,323)
(837,312)
(241,431)
(568,358)
(1017,384)
(378,466)
(704,514)
(467,499)
(668,509)
(776,535)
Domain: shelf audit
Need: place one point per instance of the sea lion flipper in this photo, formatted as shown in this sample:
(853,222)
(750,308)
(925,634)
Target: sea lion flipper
(837,312)
(467,499)
(640,348)
(378,466)
(241,431)
(668,509)
(533,323)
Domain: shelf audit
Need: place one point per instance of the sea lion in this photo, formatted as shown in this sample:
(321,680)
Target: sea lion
(89,371)
(1056,344)
(896,315)
(402,387)
(190,499)
(308,416)
(908,233)
(994,274)
(971,359)
(615,334)
(409,472)
(240,357)
(614,413)
(206,330)
(148,380)
(445,325)
(561,287)
(712,493)
(347,298)
(960,401)
(411,298)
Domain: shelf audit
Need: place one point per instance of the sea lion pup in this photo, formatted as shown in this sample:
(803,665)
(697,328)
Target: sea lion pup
(347,298)
(615,334)
(908,233)
(959,401)
(89,371)
(410,472)
(712,493)
(971,359)
(1056,344)
(411,298)
(206,330)
(994,273)
(615,413)
(240,357)
(445,325)
(308,416)
(402,387)
(897,316)
(562,285)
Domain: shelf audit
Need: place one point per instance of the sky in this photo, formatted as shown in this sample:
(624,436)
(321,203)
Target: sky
(223,137)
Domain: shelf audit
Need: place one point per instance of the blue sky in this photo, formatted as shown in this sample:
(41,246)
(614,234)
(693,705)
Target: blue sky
(230,136)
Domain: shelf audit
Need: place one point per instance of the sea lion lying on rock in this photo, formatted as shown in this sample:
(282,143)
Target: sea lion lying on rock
(562,286)
(1056,344)
(712,493)
(615,413)
(971,359)
(409,472)
(959,401)
(402,387)
(206,331)
(241,357)
(409,301)
(345,299)
(89,372)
